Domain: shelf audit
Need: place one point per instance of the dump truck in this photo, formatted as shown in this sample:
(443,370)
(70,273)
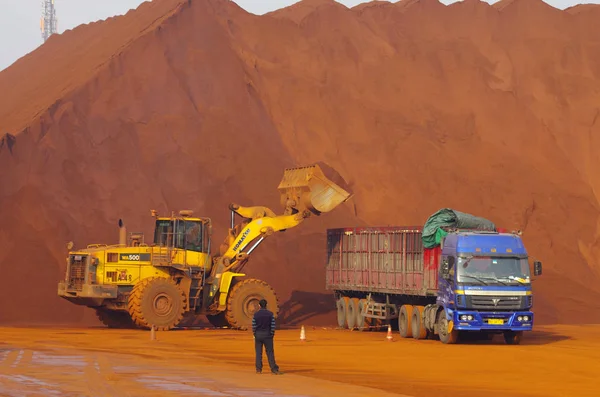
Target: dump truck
(443,280)
(138,285)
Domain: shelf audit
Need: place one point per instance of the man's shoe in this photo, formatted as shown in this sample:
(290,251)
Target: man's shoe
(259,372)
(277,373)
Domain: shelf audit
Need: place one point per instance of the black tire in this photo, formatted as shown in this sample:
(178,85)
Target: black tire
(445,336)
(341,312)
(512,337)
(418,328)
(217,320)
(158,302)
(115,319)
(243,299)
(352,312)
(405,321)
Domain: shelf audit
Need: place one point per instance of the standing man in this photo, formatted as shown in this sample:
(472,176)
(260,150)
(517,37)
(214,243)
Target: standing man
(263,328)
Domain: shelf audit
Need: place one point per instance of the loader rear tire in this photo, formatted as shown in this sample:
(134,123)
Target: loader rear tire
(158,302)
(243,299)
(115,319)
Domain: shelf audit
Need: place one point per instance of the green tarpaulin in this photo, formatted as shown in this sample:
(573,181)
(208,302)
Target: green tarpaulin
(432,232)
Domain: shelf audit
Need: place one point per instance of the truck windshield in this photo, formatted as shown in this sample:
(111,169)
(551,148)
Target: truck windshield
(493,270)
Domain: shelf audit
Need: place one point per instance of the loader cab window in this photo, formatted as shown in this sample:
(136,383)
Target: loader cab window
(180,234)
(163,233)
(193,236)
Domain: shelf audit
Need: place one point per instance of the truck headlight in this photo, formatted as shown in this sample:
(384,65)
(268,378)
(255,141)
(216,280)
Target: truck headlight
(525,318)
(520,318)
(463,317)
(469,317)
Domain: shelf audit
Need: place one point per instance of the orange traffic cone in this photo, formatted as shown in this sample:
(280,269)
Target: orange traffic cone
(302,335)
(389,336)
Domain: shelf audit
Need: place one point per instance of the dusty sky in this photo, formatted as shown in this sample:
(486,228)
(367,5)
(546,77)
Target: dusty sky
(20,19)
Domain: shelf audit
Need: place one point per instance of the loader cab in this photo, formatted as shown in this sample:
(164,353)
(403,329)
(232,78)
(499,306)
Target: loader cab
(185,234)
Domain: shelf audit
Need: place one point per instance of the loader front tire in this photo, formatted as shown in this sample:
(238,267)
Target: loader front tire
(158,302)
(115,319)
(243,299)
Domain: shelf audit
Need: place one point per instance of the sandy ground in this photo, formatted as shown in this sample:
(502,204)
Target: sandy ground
(551,361)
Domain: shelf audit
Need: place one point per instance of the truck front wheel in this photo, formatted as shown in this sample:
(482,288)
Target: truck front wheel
(243,299)
(445,336)
(513,338)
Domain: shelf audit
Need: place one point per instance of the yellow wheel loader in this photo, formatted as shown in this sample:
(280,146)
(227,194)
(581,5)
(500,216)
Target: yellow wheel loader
(134,284)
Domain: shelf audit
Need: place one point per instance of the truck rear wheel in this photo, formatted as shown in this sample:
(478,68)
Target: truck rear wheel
(418,327)
(243,299)
(405,321)
(158,302)
(115,319)
(512,337)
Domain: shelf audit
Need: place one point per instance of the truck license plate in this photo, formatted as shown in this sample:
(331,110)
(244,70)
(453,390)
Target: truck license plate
(498,321)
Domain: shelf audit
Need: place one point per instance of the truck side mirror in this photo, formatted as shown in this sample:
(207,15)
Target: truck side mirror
(445,270)
(446,266)
(537,268)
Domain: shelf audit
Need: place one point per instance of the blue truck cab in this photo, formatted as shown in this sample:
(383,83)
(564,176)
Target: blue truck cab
(484,285)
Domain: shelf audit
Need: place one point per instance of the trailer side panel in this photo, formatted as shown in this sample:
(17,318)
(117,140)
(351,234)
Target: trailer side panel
(382,260)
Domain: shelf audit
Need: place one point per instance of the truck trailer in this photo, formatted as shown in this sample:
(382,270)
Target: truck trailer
(471,282)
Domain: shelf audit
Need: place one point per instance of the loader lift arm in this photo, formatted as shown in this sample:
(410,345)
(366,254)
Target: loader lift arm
(305,192)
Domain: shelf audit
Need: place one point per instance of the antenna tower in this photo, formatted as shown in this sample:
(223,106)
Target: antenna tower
(48,22)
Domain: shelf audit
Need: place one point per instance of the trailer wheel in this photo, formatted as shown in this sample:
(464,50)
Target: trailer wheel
(341,305)
(513,338)
(362,322)
(352,312)
(445,336)
(405,321)
(243,299)
(418,327)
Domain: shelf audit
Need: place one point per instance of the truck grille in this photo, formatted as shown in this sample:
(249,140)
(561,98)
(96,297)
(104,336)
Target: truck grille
(495,302)
(76,277)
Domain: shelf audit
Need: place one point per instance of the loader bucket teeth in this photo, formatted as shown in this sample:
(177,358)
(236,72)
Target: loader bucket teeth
(307,188)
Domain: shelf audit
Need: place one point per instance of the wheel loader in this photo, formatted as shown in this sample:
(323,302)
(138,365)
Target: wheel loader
(138,285)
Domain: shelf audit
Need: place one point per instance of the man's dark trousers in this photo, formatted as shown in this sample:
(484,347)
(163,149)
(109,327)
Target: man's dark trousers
(263,327)
(264,339)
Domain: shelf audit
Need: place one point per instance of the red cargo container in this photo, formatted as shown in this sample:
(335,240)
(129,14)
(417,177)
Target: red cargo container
(374,270)
(387,260)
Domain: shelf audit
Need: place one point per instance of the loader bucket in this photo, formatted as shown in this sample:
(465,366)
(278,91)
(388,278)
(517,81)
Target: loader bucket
(307,188)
